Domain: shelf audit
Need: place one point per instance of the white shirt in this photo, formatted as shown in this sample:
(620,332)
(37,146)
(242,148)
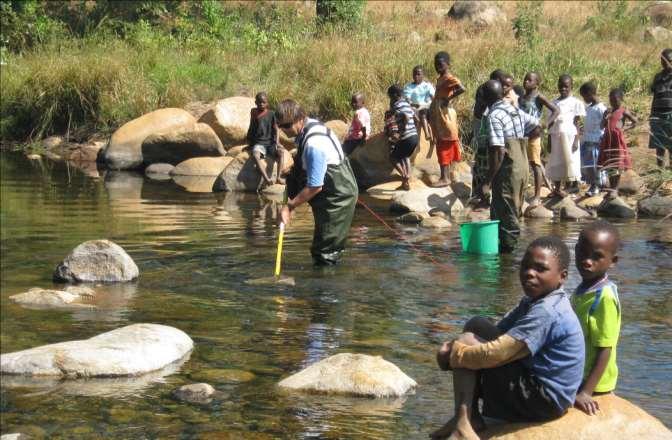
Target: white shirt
(592,132)
(570,107)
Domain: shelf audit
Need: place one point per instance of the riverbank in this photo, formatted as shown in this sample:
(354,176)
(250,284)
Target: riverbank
(79,85)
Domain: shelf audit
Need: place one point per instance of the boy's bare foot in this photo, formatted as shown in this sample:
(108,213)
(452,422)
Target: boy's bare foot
(534,202)
(280,181)
(458,425)
(441,183)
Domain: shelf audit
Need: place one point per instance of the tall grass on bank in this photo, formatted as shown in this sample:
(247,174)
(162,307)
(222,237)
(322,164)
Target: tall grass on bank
(102,80)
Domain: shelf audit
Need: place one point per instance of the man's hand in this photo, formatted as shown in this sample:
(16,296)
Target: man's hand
(575,144)
(284,215)
(443,356)
(486,191)
(585,403)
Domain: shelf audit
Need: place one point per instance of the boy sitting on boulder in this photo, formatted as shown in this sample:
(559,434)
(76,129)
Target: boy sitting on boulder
(263,137)
(527,367)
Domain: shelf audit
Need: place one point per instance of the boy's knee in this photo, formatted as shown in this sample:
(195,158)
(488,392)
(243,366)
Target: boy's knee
(475,323)
(482,327)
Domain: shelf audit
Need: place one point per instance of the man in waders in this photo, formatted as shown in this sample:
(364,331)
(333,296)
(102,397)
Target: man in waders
(322,177)
(508,130)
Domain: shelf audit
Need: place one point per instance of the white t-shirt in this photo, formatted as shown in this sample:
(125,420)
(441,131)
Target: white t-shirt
(592,132)
(570,107)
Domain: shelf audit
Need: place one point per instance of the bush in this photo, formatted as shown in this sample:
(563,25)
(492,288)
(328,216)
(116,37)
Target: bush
(340,12)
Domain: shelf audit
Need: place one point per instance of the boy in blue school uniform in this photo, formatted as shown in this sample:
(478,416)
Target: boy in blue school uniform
(529,365)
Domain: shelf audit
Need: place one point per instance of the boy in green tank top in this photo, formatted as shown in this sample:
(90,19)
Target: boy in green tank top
(599,311)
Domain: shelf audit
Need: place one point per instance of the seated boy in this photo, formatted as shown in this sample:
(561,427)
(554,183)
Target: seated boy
(263,137)
(526,368)
(598,309)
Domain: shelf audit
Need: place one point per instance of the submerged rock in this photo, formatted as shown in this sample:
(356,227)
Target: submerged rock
(616,419)
(72,296)
(230,119)
(195,393)
(96,260)
(222,375)
(573,212)
(655,206)
(538,211)
(349,373)
(124,149)
(427,200)
(126,351)
(617,208)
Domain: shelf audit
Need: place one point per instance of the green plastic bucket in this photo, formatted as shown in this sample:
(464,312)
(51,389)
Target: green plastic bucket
(480,237)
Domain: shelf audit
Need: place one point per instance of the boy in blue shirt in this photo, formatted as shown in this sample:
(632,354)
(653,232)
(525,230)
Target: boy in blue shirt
(528,366)
(599,311)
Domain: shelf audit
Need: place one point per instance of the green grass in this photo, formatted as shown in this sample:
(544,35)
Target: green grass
(96,83)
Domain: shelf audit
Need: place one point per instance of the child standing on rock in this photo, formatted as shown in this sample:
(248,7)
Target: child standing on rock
(614,156)
(419,93)
(591,137)
(402,134)
(564,164)
(360,127)
(533,103)
(263,137)
(599,311)
(443,118)
(527,367)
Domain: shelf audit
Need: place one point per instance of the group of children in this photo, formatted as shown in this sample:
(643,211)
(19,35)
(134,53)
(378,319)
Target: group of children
(551,351)
(586,139)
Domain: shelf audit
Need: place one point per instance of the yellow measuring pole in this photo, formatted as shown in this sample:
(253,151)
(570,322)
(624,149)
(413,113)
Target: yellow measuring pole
(278,255)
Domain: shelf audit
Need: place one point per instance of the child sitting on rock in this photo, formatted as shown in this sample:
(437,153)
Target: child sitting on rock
(263,137)
(527,367)
(599,311)
(360,126)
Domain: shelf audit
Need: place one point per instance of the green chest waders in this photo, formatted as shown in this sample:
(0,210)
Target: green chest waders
(508,192)
(333,207)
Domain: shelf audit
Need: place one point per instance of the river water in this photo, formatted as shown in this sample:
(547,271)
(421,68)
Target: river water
(196,252)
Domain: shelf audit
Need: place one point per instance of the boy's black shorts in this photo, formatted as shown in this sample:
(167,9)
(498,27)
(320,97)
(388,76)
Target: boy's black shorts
(512,393)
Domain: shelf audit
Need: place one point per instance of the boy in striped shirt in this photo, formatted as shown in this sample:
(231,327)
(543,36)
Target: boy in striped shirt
(403,139)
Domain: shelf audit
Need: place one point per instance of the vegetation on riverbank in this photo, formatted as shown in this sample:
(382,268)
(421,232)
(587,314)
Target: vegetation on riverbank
(78,68)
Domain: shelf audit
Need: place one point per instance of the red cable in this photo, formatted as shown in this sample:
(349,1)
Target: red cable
(403,237)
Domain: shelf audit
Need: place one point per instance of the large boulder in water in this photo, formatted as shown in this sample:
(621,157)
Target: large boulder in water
(241,174)
(124,151)
(201,166)
(372,166)
(430,200)
(126,351)
(655,206)
(355,374)
(230,118)
(96,260)
(178,144)
(616,419)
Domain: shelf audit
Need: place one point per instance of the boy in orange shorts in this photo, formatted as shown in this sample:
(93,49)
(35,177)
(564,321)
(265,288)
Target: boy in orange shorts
(443,119)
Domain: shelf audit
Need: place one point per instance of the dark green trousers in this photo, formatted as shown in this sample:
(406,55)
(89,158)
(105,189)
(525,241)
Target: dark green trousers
(333,210)
(508,194)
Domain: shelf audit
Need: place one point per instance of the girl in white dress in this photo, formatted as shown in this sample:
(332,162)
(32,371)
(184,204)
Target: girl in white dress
(564,164)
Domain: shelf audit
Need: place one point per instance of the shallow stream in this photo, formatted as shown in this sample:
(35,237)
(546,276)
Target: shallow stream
(196,252)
